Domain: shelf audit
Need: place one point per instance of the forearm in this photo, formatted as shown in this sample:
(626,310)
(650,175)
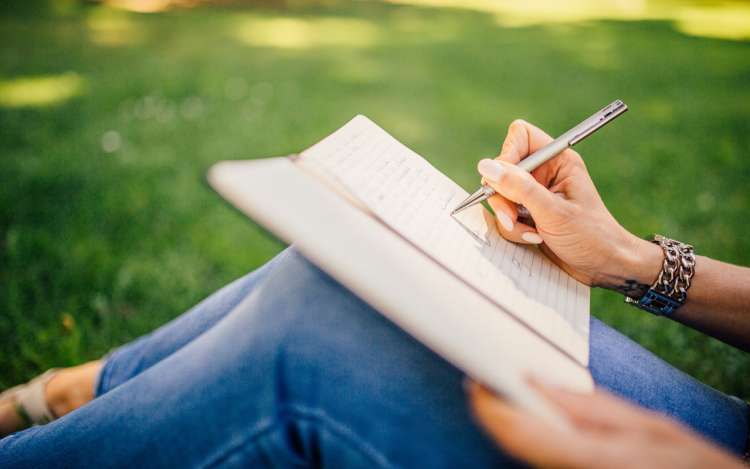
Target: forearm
(718,301)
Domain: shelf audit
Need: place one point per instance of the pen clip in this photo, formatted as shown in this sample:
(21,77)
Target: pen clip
(599,120)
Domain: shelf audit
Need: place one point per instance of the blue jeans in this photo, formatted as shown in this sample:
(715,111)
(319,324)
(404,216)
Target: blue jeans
(285,367)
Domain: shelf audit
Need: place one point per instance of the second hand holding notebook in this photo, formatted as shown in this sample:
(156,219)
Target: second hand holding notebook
(376,217)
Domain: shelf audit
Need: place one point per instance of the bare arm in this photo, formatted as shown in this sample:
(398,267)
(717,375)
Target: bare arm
(718,301)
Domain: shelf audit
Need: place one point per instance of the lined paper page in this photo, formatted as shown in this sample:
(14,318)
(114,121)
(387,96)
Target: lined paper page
(415,199)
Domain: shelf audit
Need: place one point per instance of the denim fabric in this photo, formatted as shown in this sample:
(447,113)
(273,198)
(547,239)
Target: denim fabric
(285,367)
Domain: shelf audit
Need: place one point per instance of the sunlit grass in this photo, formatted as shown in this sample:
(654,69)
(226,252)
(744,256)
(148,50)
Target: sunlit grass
(725,20)
(298,33)
(45,90)
(113,27)
(152,6)
(140,6)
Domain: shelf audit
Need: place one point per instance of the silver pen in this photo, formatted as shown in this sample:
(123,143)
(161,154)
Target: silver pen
(554,148)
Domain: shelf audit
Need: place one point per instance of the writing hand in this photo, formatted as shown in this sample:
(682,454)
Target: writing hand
(572,224)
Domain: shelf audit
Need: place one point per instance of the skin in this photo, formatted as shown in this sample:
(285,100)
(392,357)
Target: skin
(573,227)
(606,432)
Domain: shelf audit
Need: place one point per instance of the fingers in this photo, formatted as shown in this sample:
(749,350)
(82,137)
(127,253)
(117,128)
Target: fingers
(600,410)
(632,437)
(520,187)
(528,437)
(522,139)
(506,213)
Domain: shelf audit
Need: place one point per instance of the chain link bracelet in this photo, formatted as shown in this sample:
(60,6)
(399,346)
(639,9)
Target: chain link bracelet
(669,291)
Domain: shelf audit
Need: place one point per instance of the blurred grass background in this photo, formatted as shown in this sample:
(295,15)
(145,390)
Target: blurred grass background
(111,114)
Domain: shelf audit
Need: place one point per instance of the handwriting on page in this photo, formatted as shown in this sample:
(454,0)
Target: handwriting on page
(415,199)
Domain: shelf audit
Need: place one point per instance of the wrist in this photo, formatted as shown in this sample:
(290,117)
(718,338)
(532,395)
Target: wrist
(643,262)
(634,267)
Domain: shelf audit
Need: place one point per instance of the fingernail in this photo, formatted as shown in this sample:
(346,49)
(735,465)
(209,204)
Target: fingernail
(504,220)
(490,169)
(531,237)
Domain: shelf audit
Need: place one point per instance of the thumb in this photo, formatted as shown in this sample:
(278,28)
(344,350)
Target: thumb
(517,185)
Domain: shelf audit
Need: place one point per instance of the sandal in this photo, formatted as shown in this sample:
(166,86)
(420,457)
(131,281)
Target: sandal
(29,401)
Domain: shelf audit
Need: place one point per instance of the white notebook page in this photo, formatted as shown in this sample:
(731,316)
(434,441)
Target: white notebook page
(415,199)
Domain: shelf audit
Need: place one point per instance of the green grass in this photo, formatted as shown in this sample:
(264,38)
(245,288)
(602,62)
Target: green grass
(99,247)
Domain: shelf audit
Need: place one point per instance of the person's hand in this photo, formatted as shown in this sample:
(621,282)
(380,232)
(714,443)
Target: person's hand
(572,225)
(606,432)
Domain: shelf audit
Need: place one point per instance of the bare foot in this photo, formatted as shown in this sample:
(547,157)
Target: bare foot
(10,421)
(72,387)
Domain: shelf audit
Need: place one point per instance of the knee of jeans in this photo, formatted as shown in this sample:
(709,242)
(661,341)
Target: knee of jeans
(299,304)
(296,277)
(316,322)
(308,299)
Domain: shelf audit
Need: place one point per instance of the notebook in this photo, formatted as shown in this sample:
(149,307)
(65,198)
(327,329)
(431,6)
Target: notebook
(376,216)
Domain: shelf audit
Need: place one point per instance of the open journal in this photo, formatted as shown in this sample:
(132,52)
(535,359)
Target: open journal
(376,216)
